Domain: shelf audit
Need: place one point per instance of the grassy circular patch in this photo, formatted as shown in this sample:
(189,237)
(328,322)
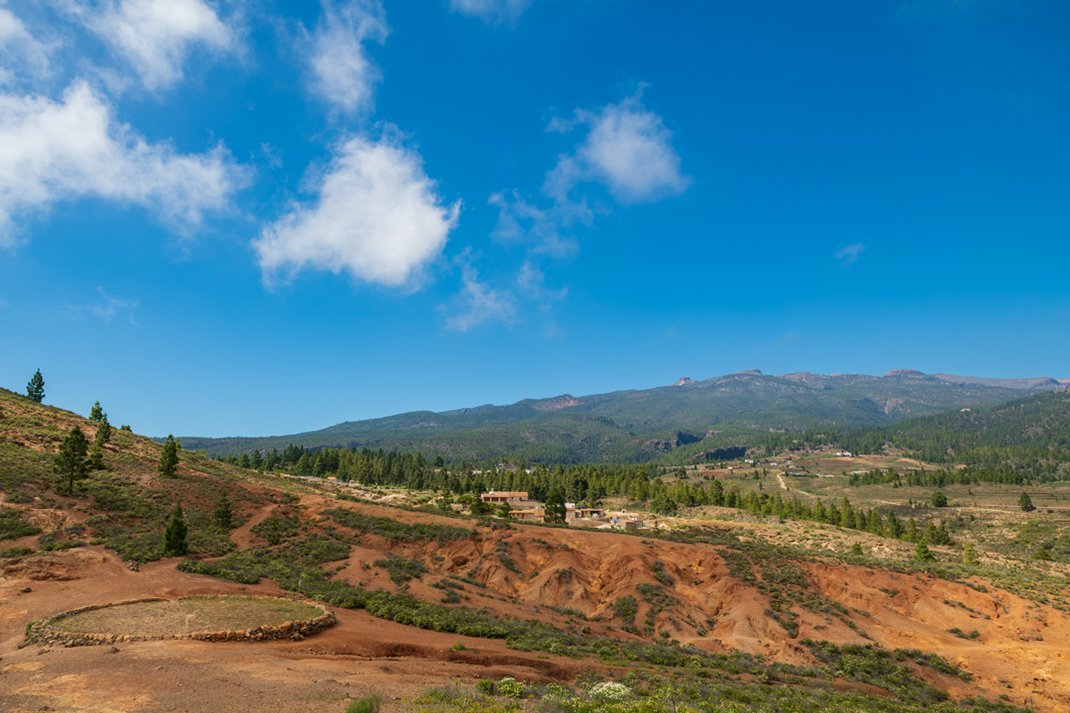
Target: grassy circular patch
(189,615)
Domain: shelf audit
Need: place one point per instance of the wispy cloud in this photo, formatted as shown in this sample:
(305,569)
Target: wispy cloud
(156,37)
(341,72)
(20,52)
(849,255)
(376,215)
(544,231)
(789,338)
(477,303)
(73,148)
(107,308)
(628,149)
(492,12)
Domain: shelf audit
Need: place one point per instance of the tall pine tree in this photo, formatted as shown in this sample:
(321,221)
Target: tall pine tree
(169,458)
(71,463)
(36,388)
(555,510)
(174,537)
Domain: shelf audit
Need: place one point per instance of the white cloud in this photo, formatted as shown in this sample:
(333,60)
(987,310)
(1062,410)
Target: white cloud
(477,303)
(628,149)
(19,50)
(492,12)
(849,255)
(342,74)
(74,148)
(155,36)
(377,216)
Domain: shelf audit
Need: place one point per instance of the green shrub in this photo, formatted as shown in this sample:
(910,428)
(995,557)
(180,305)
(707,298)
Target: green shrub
(401,569)
(626,608)
(368,704)
(394,530)
(486,686)
(276,529)
(13,526)
(16,552)
(512,688)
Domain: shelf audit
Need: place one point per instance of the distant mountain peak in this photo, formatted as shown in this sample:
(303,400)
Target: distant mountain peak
(904,372)
(684,381)
(751,372)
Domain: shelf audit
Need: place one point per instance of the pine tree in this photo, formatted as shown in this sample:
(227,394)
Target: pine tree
(922,553)
(96,413)
(555,510)
(70,463)
(174,536)
(96,459)
(222,515)
(1025,503)
(169,458)
(36,388)
(103,432)
(969,554)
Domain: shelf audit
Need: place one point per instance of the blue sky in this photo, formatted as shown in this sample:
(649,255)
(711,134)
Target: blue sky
(254,217)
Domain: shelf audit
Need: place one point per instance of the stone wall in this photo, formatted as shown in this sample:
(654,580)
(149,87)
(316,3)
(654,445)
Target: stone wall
(45,632)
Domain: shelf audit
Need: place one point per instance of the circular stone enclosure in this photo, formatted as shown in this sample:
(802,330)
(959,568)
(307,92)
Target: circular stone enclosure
(211,618)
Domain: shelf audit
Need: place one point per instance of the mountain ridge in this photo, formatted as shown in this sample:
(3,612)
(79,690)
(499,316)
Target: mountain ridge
(621,424)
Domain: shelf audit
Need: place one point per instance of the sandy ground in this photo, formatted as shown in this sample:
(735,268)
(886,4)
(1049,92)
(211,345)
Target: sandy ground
(360,655)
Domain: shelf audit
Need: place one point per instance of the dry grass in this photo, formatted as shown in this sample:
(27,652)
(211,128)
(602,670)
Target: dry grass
(187,616)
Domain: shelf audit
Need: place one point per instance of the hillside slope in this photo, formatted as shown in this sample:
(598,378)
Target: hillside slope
(723,608)
(1030,433)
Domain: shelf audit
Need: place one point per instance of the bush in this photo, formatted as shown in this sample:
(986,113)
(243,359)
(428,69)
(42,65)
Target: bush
(557,691)
(401,569)
(276,529)
(512,688)
(610,692)
(16,552)
(394,530)
(368,704)
(486,686)
(626,608)
(13,526)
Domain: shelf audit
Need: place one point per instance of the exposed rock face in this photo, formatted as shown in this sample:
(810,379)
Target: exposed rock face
(684,381)
(556,404)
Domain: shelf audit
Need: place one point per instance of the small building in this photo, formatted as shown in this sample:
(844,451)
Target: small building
(504,496)
(633,524)
(592,513)
(532,515)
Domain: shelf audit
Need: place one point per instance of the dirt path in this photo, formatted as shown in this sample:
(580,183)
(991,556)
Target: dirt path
(243,535)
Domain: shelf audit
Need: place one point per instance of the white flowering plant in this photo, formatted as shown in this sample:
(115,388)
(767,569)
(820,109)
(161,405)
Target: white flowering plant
(512,688)
(610,692)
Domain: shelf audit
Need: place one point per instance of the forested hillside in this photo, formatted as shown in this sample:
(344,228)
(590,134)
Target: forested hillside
(1028,434)
(637,426)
